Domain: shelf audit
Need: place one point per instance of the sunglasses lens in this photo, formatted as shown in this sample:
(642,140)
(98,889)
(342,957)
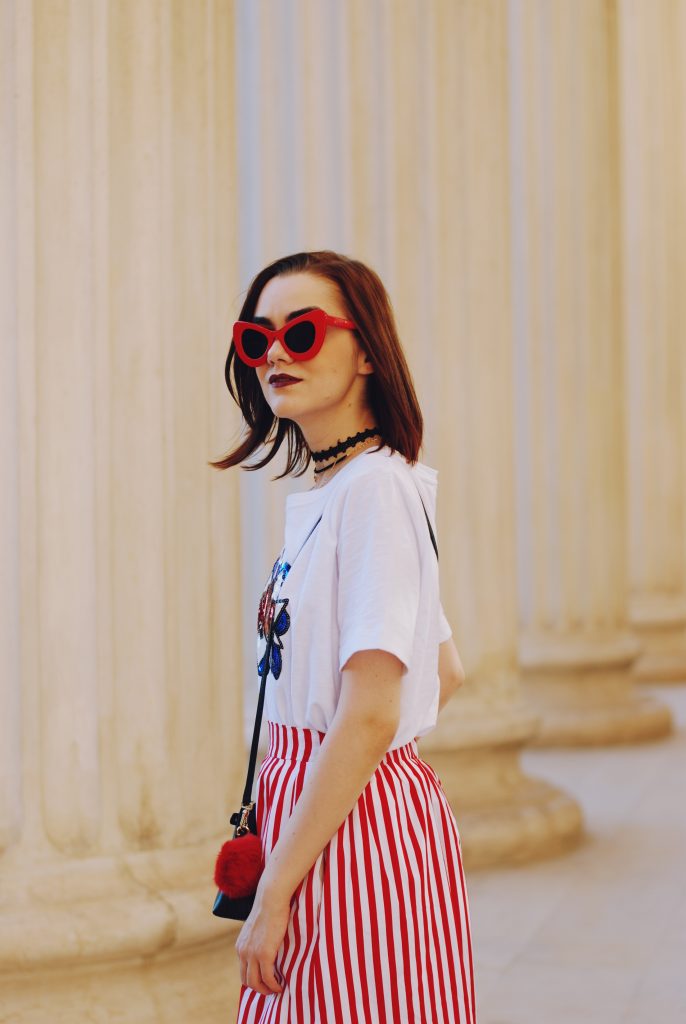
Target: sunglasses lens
(254,343)
(300,337)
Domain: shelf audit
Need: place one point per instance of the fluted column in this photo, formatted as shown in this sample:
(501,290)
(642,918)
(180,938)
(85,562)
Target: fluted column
(466,368)
(652,102)
(10,582)
(121,742)
(576,647)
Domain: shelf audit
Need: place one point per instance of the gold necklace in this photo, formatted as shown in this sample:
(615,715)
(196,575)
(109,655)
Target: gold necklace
(351,453)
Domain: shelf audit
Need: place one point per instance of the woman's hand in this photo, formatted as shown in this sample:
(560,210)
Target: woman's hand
(259,941)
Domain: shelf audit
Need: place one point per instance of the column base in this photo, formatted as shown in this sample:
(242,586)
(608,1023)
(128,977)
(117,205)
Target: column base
(661,667)
(201,985)
(528,820)
(129,937)
(593,709)
(503,816)
(581,685)
(659,625)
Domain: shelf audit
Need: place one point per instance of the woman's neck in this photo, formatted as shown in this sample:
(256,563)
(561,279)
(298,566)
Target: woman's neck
(327,432)
(328,468)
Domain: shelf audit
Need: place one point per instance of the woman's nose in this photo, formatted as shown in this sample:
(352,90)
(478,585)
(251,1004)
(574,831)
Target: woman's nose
(277,351)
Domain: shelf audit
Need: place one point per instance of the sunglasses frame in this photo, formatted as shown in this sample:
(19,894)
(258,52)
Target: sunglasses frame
(317,317)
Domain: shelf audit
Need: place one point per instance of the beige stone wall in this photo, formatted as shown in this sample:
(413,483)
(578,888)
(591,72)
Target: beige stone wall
(513,171)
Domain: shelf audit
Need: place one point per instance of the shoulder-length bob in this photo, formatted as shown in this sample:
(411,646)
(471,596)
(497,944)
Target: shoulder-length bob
(390,391)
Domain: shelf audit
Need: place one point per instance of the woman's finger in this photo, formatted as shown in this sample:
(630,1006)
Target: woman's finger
(269,975)
(255,978)
(243,971)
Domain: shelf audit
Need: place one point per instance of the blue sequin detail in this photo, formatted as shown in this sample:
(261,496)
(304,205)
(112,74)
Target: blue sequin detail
(267,613)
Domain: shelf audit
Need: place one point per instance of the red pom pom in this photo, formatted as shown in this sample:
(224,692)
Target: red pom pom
(239,866)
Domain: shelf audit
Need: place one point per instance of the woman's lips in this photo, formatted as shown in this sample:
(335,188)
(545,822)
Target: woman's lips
(282,382)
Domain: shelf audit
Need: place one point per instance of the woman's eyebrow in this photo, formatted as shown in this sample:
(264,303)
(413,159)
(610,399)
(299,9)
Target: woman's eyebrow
(266,322)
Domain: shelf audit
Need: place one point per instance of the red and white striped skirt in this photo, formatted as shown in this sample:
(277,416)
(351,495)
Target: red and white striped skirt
(379,927)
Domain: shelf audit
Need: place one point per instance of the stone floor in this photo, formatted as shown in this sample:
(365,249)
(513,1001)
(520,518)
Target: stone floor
(597,936)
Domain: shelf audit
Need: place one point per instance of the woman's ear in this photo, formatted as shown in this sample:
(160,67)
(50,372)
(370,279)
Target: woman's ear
(364,363)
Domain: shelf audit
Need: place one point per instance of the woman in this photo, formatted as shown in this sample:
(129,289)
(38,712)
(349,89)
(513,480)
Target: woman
(361,912)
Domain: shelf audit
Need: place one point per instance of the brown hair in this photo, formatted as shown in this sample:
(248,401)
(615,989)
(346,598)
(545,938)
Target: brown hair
(390,391)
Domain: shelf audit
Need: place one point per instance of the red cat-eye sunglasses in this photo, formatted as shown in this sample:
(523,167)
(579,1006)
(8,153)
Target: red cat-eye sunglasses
(301,337)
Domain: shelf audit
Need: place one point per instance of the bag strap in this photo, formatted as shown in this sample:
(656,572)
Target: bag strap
(431,533)
(241,816)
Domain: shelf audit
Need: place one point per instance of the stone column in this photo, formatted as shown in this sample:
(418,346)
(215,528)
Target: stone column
(465,364)
(121,746)
(576,648)
(652,102)
(10,581)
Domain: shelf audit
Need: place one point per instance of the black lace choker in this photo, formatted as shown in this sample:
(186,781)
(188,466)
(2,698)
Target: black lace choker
(328,453)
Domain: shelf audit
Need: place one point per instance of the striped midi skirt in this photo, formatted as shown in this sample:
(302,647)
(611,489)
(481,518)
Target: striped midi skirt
(378,931)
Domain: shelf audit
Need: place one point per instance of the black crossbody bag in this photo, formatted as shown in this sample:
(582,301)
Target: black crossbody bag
(244,821)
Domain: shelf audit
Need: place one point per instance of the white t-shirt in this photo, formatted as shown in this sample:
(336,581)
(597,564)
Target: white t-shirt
(366,577)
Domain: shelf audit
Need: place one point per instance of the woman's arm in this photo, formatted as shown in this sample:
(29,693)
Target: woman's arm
(450,671)
(364,724)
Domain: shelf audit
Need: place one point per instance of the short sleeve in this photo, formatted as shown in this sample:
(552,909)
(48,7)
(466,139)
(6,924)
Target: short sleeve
(378,568)
(444,629)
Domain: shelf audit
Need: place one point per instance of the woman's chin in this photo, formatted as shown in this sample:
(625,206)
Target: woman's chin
(281,401)
(285,407)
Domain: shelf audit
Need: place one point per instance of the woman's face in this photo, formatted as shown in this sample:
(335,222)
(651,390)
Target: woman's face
(330,385)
